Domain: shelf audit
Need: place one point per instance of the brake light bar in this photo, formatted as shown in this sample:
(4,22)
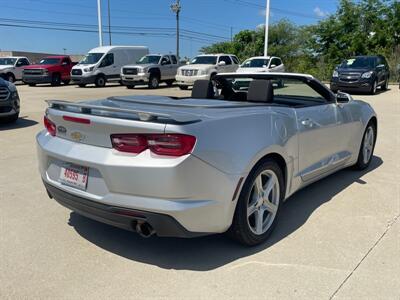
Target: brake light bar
(76,120)
(161,144)
(50,126)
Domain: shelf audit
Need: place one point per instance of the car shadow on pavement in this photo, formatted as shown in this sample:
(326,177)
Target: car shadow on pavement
(211,252)
(22,122)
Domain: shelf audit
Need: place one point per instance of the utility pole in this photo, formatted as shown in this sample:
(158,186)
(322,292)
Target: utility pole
(176,8)
(109,22)
(100,25)
(65,50)
(231,34)
(266,29)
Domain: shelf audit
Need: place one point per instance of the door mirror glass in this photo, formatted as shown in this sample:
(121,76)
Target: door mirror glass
(272,66)
(343,97)
(221,63)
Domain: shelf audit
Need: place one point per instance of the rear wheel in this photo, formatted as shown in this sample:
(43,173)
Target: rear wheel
(81,85)
(31,84)
(367,147)
(66,82)
(183,87)
(259,204)
(131,86)
(56,80)
(154,81)
(100,81)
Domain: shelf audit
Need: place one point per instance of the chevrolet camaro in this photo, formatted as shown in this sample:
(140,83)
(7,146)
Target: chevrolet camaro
(222,160)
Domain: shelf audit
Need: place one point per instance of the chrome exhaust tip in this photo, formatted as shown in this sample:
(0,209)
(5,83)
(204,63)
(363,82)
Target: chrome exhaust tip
(144,229)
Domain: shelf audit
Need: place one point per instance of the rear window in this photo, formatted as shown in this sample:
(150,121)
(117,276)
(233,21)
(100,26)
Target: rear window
(49,61)
(235,60)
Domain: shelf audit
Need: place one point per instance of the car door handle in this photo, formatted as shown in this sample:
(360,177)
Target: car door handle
(307,122)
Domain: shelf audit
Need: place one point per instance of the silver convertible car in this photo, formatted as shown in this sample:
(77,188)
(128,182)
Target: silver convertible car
(223,160)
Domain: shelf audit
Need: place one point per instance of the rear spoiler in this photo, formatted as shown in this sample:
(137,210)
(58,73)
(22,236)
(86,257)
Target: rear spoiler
(143,115)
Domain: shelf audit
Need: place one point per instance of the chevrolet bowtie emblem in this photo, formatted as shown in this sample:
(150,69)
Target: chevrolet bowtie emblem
(77,136)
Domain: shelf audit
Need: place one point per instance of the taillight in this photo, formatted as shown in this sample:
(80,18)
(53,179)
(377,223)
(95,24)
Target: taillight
(130,143)
(171,144)
(50,126)
(161,144)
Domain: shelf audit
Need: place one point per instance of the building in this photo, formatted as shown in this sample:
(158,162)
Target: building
(35,57)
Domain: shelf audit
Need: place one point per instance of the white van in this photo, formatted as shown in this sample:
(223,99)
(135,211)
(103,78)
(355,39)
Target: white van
(103,64)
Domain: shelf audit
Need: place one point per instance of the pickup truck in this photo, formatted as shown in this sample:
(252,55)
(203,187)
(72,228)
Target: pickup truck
(52,69)
(11,67)
(151,70)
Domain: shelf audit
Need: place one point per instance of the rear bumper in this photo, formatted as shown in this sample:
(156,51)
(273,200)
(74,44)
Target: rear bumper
(192,192)
(164,225)
(36,79)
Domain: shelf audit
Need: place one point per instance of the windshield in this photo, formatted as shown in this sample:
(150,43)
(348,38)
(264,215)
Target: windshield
(49,61)
(7,61)
(358,63)
(149,59)
(91,59)
(204,60)
(255,63)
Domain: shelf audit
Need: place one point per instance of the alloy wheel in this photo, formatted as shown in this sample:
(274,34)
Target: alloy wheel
(368,144)
(263,202)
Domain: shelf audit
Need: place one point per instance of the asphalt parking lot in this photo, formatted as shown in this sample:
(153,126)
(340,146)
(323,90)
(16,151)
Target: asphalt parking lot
(338,238)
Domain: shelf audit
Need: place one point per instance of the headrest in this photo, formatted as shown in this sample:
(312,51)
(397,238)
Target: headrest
(260,91)
(203,89)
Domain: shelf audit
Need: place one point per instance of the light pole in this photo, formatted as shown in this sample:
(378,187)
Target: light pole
(266,29)
(100,25)
(109,22)
(176,8)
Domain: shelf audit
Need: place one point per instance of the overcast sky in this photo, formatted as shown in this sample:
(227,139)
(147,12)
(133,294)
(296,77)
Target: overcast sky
(136,22)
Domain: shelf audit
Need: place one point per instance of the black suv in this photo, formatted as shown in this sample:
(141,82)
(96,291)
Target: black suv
(361,74)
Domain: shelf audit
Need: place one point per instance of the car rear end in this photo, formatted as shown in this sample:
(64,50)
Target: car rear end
(123,169)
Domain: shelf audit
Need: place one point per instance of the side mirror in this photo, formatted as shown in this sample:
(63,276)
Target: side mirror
(264,66)
(64,63)
(343,97)
(272,66)
(221,63)
(381,66)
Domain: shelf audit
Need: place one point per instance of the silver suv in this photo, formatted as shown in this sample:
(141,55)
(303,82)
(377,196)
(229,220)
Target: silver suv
(150,69)
(206,67)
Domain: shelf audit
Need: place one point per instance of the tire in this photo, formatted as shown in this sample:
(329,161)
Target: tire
(250,207)
(32,84)
(100,81)
(82,85)
(170,82)
(130,87)
(56,80)
(10,77)
(66,82)
(385,86)
(374,87)
(365,155)
(154,81)
(183,87)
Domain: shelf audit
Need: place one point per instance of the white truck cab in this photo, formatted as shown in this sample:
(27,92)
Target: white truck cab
(11,67)
(103,64)
(262,64)
(205,67)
